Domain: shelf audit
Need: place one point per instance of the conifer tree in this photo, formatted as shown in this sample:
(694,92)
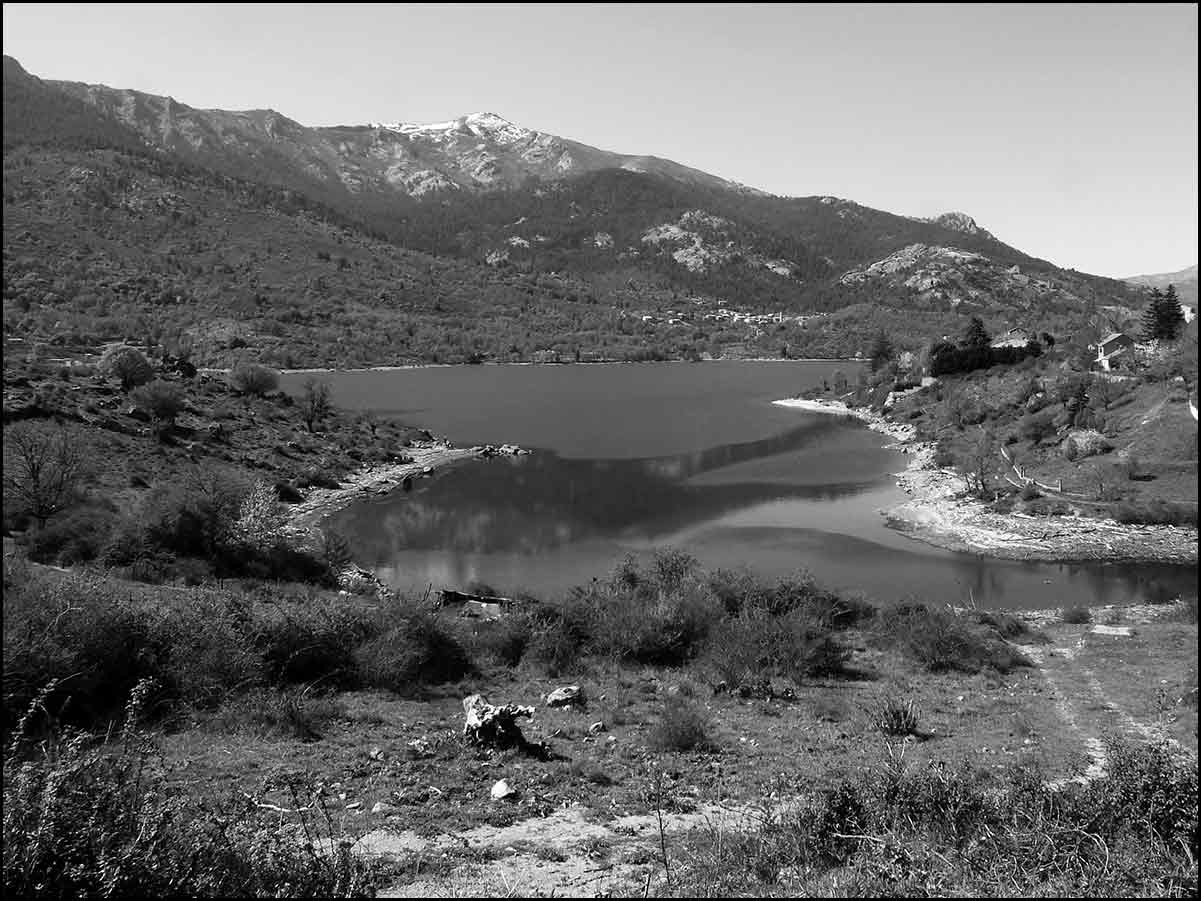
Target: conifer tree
(1171,320)
(1151,316)
(1163,319)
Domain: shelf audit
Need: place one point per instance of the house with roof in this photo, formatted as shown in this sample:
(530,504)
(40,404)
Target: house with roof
(1111,347)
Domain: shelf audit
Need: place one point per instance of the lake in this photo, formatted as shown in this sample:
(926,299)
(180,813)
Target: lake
(630,457)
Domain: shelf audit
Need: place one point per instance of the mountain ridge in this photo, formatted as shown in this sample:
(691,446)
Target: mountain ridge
(632,235)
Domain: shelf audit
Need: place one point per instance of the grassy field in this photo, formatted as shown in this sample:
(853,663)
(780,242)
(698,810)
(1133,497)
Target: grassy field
(739,717)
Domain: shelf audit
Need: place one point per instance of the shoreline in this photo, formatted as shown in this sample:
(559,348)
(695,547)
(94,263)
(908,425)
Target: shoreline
(939,514)
(306,517)
(401,367)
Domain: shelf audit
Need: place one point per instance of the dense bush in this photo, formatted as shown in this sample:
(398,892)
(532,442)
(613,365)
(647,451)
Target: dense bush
(682,727)
(253,379)
(942,641)
(947,359)
(76,536)
(420,651)
(1156,512)
(88,818)
(757,646)
(1036,427)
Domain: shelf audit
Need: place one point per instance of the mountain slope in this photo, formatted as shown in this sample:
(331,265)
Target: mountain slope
(654,250)
(480,151)
(1185,281)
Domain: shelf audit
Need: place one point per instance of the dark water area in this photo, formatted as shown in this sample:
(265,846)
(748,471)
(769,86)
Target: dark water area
(632,457)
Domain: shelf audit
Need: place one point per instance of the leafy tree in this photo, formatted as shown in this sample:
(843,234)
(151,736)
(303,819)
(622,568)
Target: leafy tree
(975,336)
(163,401)
(44,466)
(315,403)
(127,364)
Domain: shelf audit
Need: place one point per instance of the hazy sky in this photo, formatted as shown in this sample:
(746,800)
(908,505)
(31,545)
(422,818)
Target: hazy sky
(1069,131)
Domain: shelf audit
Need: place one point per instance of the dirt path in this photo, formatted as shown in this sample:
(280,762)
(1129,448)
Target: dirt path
(569,853)
(1088,710)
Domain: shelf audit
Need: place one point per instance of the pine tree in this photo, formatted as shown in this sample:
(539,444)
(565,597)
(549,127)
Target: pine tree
(1171,320)
(1150,322)
(1163,319)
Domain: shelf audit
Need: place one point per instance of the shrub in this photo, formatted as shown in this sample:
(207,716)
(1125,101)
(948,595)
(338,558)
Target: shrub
(95,819)
(287,494)
(1029,492)
(892,717)
(505,641)
(420,651)
(758,646)
(1156,512)
(76,633)
(253,379)
(75,537)
(306,642)
(196,515)
(1035,427)
(1088,443)
(682,727)
(942,641)
(1076,615)
(294,713)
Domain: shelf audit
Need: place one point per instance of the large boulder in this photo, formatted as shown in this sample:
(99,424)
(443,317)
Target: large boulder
(567,696)
(496,727)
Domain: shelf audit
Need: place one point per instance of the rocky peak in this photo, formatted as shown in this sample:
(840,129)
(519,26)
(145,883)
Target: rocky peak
(960,222)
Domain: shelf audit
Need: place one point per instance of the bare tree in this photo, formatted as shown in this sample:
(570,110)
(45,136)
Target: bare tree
(981,464)
(315,403)
(44,466)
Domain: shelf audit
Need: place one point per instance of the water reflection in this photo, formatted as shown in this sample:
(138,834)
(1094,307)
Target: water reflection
(539,502)
(806,497)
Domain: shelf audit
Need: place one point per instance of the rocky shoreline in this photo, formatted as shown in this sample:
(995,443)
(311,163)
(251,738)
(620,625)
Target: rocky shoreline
(305,518)
(940,513)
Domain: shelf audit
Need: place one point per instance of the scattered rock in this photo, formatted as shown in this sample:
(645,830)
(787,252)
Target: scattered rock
(376,754)
(382,807)
(597,728)
(493,726)
(567,696)
(502,791)
(421,747)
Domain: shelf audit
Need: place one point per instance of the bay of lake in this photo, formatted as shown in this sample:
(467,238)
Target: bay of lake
(630,457)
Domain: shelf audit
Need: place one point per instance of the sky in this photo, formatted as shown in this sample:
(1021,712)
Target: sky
(1068,131)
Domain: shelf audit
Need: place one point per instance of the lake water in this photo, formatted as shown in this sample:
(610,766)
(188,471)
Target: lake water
(631,457)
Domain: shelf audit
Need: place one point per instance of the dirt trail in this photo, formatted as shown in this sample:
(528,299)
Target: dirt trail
(1081,700)
(567,853)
